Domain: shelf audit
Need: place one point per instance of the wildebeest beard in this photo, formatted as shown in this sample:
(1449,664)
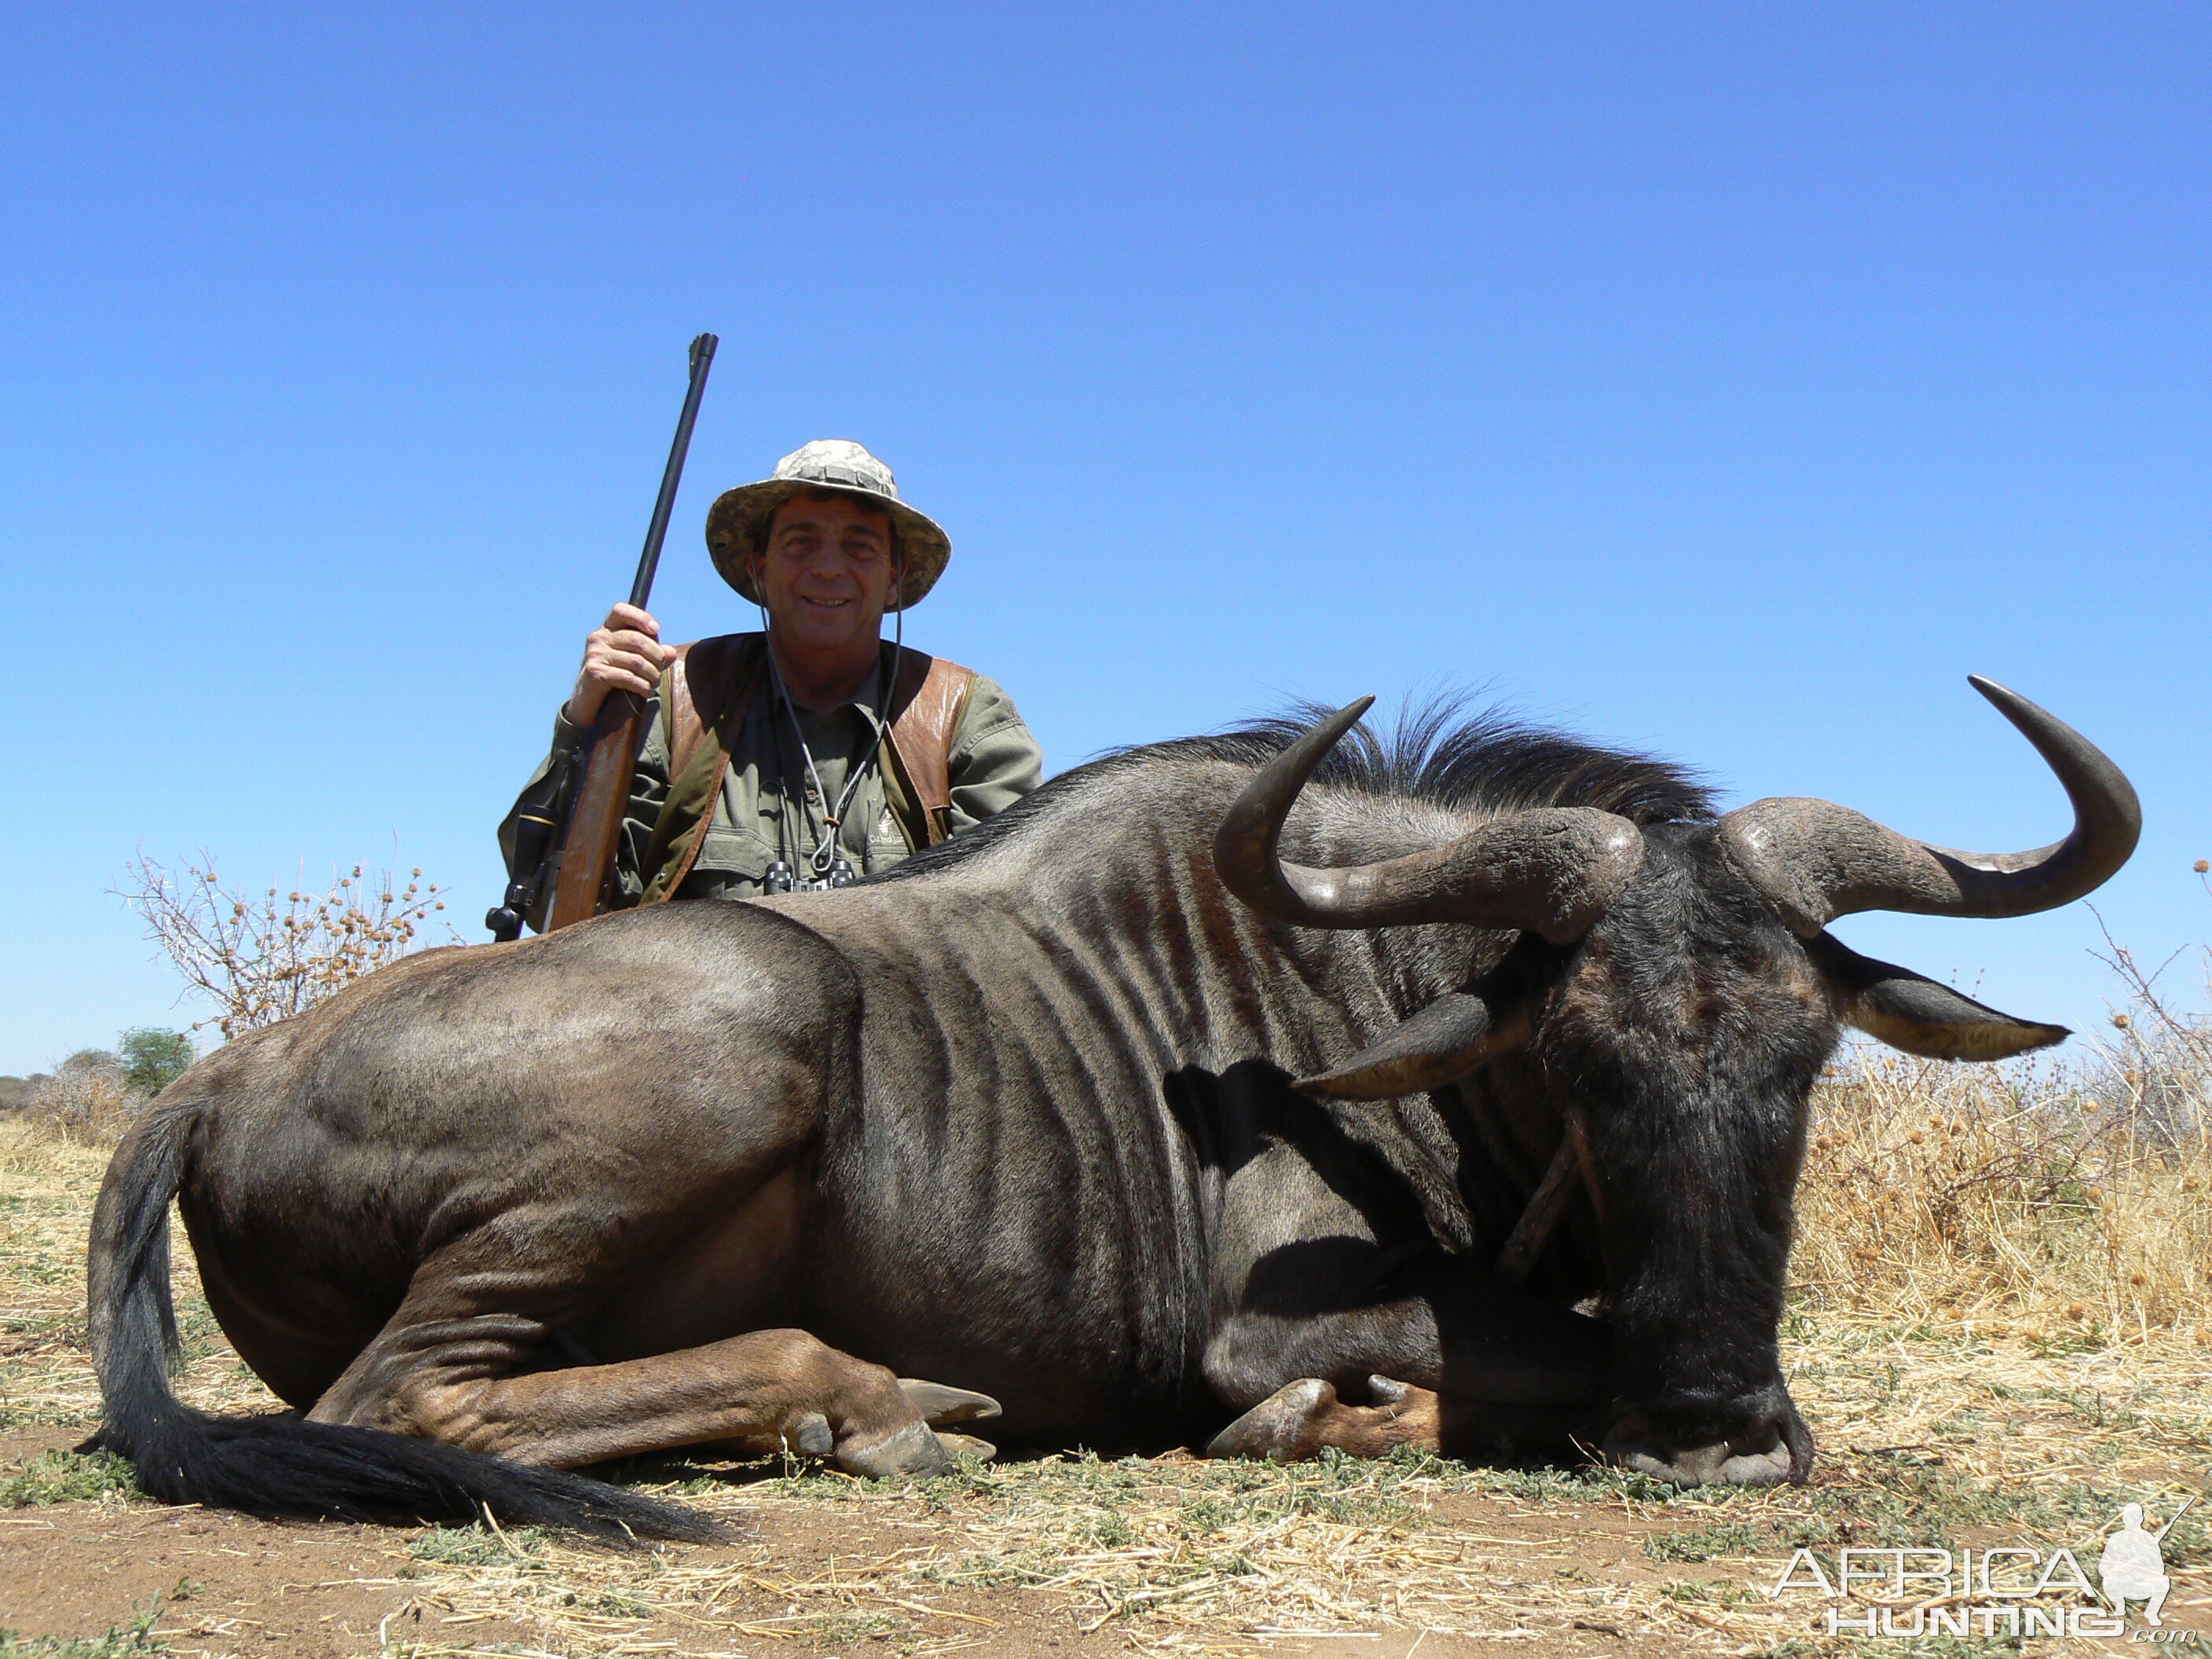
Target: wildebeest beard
(1172,1094)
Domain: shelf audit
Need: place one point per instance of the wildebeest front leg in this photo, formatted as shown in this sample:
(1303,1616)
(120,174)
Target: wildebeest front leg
(1300,1419)
(1451,1360)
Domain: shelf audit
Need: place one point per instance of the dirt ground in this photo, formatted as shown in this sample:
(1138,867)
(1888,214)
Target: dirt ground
(1473,1574)
(1940,1436)
(226,1584)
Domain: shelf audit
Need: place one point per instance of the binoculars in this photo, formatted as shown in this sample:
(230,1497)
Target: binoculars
(782,878)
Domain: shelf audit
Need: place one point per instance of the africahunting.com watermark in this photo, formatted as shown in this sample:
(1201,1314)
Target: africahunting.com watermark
(2009,1590)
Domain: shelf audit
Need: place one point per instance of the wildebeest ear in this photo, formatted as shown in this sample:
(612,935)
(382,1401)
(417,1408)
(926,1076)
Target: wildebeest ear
(1911,1011)
(1456,1035)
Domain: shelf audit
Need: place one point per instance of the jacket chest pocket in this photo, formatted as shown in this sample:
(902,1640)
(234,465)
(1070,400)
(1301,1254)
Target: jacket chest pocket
(887,839)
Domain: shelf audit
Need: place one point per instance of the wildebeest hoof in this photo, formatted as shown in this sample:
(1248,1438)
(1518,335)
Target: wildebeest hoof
(811,1435)
(966,1445)
(910,1453)
(940,1405)
(1284,1426)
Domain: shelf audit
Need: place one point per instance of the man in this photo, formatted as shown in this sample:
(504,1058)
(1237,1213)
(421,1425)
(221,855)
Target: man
(811,754)
(2134,1567)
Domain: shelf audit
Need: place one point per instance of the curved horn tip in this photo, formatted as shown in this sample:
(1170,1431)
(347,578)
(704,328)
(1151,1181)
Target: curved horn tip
(1305,754)
(1815,861)
(2062,748)
(2003,696)
(2029,717)
(1348,716)
(1244,842)
(1308,750)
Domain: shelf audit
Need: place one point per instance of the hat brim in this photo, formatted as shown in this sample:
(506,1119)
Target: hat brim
(738,516)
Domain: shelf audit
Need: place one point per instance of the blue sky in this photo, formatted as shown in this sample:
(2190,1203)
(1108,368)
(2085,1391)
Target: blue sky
(1726,380)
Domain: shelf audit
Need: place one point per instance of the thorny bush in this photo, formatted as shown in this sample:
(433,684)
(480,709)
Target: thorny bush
(263,957)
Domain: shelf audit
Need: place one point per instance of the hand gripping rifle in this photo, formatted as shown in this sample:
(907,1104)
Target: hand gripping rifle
(584,845)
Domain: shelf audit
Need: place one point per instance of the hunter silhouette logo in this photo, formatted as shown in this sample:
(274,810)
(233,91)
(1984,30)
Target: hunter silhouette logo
(2134,1567)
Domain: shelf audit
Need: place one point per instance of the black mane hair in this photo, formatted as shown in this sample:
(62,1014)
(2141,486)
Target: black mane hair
(1435,752)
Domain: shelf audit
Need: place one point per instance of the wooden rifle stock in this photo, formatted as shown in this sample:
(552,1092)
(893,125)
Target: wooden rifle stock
(595,822)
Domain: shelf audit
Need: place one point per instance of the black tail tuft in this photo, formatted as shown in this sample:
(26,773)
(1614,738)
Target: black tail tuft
(286,1466)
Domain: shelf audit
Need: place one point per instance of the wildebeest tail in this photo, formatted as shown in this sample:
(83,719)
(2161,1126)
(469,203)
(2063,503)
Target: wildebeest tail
(286,1466)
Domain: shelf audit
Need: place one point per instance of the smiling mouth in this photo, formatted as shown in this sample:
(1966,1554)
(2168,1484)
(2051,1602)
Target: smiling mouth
(829,604)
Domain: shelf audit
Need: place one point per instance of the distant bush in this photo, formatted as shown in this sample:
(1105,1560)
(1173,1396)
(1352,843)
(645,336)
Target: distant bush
(96,1092)
(87,1094)
(153,1059)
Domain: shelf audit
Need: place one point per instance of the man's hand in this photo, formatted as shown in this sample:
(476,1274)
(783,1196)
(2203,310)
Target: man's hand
(623,653)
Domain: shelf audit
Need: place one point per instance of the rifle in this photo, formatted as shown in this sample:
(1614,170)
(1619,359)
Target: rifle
(2159,1535)
(583,841)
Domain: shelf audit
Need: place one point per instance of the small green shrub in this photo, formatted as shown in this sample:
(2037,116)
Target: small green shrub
(121,1641)
(67,1477)
(1729,1538)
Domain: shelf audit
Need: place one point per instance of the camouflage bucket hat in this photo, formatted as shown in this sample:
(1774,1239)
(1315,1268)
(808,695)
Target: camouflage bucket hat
(739,519)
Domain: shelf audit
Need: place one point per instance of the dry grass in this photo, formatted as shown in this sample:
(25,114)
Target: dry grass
(1175,1554)
(50,1173)
(1168,1551)
(2015,1200)
(1998,1335)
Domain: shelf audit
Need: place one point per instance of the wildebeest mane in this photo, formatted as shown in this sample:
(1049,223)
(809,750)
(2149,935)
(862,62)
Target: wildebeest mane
(1438,752)
(1435,752)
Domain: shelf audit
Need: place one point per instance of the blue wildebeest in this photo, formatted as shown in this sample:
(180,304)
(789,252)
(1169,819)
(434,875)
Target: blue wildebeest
(1182,1093)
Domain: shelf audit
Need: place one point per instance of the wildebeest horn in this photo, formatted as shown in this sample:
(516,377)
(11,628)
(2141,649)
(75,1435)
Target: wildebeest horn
(1550,870)
(1815,860)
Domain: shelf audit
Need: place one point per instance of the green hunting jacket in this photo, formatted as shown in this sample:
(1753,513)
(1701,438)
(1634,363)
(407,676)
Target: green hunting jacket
(767,808)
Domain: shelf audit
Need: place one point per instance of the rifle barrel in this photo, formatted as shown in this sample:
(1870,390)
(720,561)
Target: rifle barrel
(2159,1535)
(586,836)
(702,359)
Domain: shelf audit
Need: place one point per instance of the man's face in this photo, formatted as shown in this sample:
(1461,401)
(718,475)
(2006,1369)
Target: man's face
(826,572)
